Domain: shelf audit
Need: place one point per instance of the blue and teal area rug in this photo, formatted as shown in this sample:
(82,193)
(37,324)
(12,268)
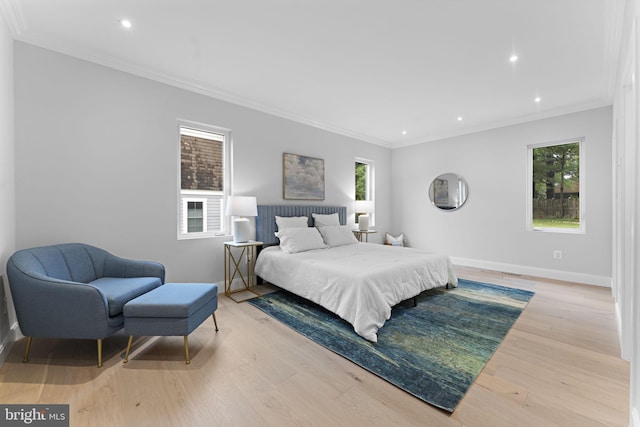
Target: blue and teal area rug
(434,351)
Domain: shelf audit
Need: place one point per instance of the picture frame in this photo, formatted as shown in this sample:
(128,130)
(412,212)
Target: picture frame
(302,177)
(441,191)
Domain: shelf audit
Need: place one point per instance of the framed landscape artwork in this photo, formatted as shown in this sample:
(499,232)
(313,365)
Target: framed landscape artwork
(303,177)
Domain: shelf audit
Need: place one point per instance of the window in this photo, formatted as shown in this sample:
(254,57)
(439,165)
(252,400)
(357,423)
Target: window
(202,180)
(364,188)
(196,217)
(555,183)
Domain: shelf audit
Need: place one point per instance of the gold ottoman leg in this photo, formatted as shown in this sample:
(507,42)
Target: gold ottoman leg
(186,350)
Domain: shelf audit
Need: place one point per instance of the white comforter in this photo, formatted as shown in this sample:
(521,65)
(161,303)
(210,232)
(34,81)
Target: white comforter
(360,282)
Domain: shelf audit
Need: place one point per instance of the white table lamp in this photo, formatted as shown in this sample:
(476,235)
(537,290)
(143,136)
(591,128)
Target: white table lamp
(364,208)
(241,207)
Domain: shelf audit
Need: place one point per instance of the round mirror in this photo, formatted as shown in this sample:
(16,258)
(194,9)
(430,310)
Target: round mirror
(448,191)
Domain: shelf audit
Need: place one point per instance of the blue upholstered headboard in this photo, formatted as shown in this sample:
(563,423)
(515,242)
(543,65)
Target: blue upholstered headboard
(266,219)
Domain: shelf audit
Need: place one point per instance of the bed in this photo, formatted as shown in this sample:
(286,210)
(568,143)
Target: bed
(360,282)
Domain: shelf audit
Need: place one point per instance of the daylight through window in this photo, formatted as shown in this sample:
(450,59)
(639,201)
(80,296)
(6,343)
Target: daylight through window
(364,186)
(555,186)
(201,182)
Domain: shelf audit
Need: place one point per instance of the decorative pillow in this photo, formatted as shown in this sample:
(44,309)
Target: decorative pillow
(291,222)
(338,235)
(394,241)
(298,239)
(324,220)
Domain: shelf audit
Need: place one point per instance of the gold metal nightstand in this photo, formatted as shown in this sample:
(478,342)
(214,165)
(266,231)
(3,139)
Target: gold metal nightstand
(233,267)
(363,234)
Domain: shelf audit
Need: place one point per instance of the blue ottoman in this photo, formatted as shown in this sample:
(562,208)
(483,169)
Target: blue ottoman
(170,309)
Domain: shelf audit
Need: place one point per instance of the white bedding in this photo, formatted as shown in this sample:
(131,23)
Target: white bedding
(360,282)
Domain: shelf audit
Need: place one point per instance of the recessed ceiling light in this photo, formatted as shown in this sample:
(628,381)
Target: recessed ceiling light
(513,58)
(459,118)
(125,23)
(537,99)
(404,132)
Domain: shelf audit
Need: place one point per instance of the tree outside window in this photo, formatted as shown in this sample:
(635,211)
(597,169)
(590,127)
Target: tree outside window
(556,186)
(364,185)
(361,180)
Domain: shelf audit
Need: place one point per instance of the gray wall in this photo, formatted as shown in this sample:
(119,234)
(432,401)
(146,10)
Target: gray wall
(490,229)
(7,183)
(97,161)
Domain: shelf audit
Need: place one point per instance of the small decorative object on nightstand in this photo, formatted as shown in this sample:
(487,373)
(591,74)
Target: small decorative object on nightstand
(233,270)
(360,235)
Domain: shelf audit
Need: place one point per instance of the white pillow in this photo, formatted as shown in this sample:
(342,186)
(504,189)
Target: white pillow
(323,220)
(291,222)
(394,241)
(338,235)
(298,239)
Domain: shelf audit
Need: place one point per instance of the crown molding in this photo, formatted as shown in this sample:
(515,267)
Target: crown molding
(13,16)
(18,27)
(193,86)
(504,123)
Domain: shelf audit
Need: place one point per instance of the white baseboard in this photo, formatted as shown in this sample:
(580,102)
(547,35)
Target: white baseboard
(623,348)
(568,276)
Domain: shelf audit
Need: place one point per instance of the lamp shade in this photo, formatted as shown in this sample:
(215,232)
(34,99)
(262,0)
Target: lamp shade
(364,206)
(241,206)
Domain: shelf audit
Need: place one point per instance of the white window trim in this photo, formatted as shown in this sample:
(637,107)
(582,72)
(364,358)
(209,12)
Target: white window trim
(194,128)
(371,184)
(582,185)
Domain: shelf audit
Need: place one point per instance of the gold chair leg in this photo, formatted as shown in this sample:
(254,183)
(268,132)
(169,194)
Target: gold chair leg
(27,350)
(186,350)
(215,322)
(99,352)
(126,356)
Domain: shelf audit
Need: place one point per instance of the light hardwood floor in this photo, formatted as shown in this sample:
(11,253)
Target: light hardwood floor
(558,366)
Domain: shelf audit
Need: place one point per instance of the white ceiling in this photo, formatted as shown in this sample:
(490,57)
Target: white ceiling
(364,68)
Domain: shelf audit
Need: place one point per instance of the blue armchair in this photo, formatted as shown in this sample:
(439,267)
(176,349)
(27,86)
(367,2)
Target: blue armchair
(74,290)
